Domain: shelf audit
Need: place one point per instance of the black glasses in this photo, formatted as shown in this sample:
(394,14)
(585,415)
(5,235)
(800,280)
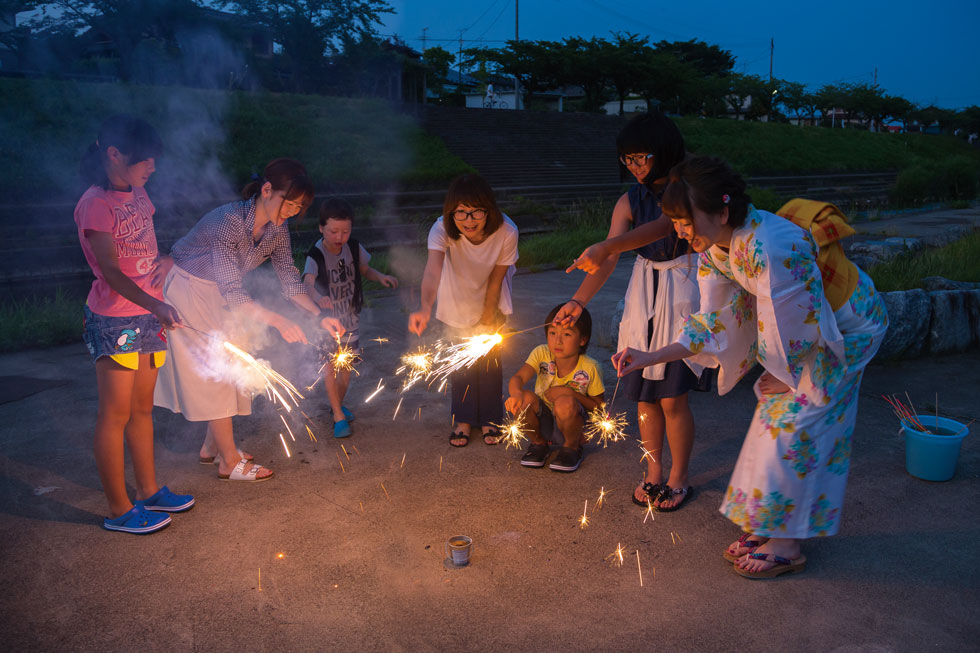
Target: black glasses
(634,159)
(459,215)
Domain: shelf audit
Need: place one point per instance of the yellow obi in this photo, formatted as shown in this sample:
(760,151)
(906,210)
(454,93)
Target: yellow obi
(131,360)
(827,224)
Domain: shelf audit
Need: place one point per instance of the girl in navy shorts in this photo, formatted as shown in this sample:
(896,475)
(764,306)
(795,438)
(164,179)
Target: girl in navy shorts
(125,318)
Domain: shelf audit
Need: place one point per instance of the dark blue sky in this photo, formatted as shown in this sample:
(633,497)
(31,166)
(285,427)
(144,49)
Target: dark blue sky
(927,52)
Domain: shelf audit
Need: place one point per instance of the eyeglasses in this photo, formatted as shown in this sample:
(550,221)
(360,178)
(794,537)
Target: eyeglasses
(634,159)
(293,205)
(459,215)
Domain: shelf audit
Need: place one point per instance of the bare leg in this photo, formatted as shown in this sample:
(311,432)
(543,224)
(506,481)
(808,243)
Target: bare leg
(569,420)
(652,425)
(139,430)
(531,405)
(115,384)
(336,388)
(680,436)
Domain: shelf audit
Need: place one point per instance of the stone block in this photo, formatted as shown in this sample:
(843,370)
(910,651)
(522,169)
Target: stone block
(950,328)
(909,314)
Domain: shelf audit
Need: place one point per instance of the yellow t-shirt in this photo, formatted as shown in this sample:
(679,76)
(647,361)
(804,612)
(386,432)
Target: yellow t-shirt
(585,379)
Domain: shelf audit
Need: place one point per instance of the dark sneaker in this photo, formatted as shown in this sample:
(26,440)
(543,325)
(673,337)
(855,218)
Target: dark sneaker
(567,460)
(166,501)
(535,456)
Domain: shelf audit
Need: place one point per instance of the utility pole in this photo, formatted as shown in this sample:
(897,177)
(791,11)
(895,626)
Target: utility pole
(772,47)
(425,73)
(459,59)
(517,40)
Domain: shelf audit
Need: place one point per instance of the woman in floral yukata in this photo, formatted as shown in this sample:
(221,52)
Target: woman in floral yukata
(763,299)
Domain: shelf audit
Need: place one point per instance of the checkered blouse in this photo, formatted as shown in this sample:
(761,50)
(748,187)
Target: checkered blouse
(220,248)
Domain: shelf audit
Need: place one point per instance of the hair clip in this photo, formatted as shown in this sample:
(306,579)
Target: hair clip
(725,198)
(255,176)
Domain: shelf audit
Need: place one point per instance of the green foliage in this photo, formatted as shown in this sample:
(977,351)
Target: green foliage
(585,226)
(765,199)
(955,178)
(213,140)
(959,261)
(40,322)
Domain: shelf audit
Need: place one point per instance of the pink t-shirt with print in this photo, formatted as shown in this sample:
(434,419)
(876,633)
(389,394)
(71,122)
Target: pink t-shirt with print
(128,216)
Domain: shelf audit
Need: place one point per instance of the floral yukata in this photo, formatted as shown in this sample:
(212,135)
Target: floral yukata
(763,301)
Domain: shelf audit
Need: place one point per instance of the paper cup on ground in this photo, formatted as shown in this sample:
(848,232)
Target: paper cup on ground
(458,550)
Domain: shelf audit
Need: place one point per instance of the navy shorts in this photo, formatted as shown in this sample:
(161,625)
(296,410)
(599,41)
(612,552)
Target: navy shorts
(546,423)
(133,334)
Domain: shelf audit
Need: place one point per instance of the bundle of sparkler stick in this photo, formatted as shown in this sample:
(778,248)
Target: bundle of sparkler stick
(906,414)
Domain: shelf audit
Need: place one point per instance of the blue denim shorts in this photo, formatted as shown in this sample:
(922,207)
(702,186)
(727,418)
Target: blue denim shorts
(548,428)
(112,336)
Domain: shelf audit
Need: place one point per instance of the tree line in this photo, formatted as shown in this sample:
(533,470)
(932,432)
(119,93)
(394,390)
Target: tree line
(333,47)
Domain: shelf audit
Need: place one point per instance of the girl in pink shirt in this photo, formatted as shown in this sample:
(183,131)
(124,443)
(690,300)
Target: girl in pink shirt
(125,318)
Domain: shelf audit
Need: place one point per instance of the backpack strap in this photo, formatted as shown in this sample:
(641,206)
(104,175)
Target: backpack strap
(322,282)
(357,303)
(827,225)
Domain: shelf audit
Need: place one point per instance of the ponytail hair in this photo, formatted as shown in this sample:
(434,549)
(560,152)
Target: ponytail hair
(135,138)
(287,175)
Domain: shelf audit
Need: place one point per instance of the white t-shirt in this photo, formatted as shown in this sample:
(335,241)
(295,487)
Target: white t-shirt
(466,270)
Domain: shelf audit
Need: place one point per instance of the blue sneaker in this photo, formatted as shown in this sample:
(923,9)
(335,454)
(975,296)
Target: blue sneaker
(139,520)
(349,416)
(166,501)
(341,429)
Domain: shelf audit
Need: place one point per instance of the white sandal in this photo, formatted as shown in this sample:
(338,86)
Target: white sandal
(239,473)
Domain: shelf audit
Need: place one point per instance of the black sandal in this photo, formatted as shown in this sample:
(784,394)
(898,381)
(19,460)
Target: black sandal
(492,433)
(653,493)
(668,493)
(458,436)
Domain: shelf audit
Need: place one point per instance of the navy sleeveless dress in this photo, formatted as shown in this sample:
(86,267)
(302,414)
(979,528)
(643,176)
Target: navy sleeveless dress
(678,377)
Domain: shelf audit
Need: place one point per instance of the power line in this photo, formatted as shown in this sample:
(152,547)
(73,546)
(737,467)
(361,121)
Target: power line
(506,7)
(485,12)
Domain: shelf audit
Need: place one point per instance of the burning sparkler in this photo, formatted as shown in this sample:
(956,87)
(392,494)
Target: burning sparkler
(277,387)
(583,521)
(513,430)
(602,498)
(605,426)
(415,366)
(343,359)
(464,354)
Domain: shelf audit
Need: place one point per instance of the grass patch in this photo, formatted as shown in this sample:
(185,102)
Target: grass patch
(958,261)
(585,225)
(40,322)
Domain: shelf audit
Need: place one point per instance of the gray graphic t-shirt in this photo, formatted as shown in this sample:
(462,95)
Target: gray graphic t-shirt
(340,270)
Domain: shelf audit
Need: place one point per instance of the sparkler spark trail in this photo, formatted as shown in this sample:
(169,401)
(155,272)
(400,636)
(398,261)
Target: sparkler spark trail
(380,341)
(616,557)
(288,455)
(341,462)
(649,512)
(403,460)
(312,437)
(386,492)
(345,452)
(286,424)
(646,452)
(583,521)
(638,569)
(513,430)
(605,426)
(276,385)
(399,405)
(373,394)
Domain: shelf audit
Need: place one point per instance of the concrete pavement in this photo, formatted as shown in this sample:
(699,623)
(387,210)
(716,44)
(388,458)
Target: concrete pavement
(344,565)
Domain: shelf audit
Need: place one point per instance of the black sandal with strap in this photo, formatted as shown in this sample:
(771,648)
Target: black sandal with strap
(669,493)
(653,491)
(458,436)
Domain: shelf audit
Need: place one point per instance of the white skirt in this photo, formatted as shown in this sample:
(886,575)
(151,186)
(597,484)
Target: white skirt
(197,383)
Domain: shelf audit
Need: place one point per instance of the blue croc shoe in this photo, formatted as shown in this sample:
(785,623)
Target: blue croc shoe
(139,520)
(341,429)
(349,416)
(166,501)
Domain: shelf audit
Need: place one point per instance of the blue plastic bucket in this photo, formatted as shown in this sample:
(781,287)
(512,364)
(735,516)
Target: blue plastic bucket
(933,457)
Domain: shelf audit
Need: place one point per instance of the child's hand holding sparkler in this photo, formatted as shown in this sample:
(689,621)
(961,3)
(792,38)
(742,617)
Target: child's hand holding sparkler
(568,314)
(418,320)
(631,360)
(333,327)
(167,315)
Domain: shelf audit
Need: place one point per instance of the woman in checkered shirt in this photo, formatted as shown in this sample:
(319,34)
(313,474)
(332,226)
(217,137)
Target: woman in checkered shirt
(205,286)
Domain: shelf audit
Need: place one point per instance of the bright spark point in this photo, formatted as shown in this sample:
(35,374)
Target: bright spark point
(343,359)
(415,366)
(513,430)
(601,499)
(380,341)
(583,521)
(608,428)
(649,513)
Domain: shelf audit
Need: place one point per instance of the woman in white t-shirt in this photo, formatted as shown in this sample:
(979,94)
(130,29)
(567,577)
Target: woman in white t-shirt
(472,251)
